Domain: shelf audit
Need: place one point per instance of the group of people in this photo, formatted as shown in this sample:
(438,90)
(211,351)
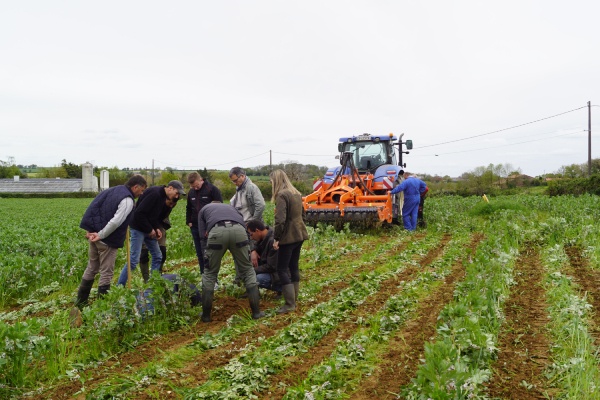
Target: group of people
(263,256)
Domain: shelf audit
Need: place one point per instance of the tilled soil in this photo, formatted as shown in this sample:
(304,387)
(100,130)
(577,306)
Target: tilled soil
(588,280)
(523,348)
(224,307)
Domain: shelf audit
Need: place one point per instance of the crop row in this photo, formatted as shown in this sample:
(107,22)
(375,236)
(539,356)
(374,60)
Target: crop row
(383,314)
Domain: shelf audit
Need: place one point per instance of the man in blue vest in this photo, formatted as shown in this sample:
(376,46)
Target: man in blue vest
(105,221)
(145,226)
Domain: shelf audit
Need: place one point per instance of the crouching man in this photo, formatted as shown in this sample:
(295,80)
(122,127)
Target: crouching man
(266,256)
(222,228)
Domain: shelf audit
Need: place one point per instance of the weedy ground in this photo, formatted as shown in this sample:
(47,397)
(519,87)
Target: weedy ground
(490,301)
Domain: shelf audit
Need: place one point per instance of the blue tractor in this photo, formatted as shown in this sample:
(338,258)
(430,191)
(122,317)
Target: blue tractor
(357,191)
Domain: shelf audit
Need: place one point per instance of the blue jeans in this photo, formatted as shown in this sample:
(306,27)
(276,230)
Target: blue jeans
(198,246)
(137,238)
(265,282)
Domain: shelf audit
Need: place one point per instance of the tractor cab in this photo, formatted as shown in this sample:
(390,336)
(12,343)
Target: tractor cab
(369,152)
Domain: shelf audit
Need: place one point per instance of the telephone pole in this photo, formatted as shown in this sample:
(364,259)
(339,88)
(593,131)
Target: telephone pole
(589,138)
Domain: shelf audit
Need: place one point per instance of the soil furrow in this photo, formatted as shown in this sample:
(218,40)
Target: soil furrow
(589,281)
(523,348)
(227,306)
(399,364)
(196,372)
(300,366)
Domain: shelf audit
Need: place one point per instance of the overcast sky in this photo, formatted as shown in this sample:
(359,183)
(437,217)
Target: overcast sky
(215,84)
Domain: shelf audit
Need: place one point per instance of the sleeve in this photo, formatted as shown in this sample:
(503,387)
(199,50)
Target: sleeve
(189,208)
(259,204)
(125,207)
(201,224)
(146,215)
(216,194)
(399,188)
(280,217)
(272,257)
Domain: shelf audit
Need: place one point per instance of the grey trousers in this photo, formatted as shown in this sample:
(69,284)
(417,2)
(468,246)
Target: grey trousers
(232,237)
(101,260)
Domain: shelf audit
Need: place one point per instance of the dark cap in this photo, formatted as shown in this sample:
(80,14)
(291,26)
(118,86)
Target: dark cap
(177,185)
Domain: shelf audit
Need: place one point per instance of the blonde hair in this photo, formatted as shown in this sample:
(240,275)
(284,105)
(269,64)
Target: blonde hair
(280,181)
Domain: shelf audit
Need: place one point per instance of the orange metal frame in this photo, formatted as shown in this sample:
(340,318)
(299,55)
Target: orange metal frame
(350,196)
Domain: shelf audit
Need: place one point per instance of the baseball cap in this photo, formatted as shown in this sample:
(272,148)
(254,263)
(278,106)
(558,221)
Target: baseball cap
(177,185)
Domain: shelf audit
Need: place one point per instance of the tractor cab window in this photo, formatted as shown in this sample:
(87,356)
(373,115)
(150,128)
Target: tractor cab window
(368,155)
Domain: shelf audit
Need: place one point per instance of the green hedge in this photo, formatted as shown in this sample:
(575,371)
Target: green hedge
(577,186)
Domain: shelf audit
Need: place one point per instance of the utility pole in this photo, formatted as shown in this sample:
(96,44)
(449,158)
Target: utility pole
(589,138)
(271,160)
(153,172)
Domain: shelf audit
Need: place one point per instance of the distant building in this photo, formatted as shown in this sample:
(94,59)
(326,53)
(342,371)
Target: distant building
(89,183)
(43,185)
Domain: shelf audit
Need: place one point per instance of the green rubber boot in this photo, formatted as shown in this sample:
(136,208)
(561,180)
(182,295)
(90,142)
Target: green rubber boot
(254,299)
(207,301)
(289,295)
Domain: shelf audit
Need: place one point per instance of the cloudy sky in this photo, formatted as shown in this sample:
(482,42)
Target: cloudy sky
(215,84)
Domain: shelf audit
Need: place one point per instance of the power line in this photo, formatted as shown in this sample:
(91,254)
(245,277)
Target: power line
(210,166)
(511,144)
(505,129)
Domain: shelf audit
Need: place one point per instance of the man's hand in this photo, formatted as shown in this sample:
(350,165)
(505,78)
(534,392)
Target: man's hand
(276,244)
(158,234)
(254,257)
(92,237)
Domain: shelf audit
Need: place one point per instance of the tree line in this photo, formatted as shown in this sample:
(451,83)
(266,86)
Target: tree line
(491,179)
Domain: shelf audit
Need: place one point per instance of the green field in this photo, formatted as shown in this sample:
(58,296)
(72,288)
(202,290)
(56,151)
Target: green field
(490,301)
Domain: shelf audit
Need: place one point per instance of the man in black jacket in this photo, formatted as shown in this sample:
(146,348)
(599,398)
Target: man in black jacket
(149,213)
(266,256)
(105,221)
(162,244)
(201,193)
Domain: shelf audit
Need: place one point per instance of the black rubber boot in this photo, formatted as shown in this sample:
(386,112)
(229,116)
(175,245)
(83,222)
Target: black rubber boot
(207,300)
(163,251)
(102,290)
(289,294)
(144,261)
(254,299)
(83,293)
(296,291)
(145,271)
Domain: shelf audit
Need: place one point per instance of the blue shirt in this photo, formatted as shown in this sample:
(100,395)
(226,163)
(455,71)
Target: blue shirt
(411,186)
